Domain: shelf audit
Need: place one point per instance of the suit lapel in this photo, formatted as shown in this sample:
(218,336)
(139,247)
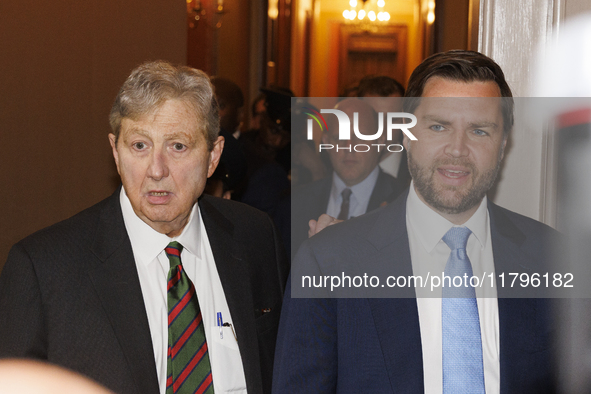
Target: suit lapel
(397,319)
(381,193)
(507,240)
(517,316)
(117,284)
(237,289)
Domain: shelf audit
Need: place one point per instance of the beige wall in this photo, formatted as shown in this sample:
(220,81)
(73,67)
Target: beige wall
(61,66)
(575,7)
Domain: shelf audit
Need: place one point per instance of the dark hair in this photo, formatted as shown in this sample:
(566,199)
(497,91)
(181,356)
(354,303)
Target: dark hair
(227,92)
(380,85)
(350,91)
(278,103)
(153,83)
(253,107)
(465,66)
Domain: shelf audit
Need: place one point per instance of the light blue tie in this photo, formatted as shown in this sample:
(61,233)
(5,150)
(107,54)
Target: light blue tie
(463,371)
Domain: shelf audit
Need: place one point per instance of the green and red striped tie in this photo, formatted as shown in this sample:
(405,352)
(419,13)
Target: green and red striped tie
(188,367)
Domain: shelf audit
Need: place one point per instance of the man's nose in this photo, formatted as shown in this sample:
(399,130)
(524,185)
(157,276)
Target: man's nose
(158,167)
(458,144)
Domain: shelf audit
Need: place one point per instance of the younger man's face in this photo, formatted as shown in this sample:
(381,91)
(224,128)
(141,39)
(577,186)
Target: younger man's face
(457,156)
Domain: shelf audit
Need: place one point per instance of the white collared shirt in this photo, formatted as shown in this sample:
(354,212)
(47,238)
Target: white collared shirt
(390,163)
(198,262)
(429,253)
(360,194)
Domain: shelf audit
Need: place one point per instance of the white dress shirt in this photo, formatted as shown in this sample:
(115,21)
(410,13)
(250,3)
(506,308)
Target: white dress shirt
(390,163)
(430,254)
(359,200)
(198,262)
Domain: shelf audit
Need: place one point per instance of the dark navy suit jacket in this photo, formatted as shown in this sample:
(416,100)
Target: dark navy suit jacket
(373,345)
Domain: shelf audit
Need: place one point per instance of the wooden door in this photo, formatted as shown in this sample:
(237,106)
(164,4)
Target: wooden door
(379,51)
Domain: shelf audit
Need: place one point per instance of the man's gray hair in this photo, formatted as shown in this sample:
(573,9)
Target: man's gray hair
(153,83)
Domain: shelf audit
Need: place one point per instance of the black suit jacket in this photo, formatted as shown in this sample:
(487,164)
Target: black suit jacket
(373,345)
(70,294)
(403,175)
(311,201)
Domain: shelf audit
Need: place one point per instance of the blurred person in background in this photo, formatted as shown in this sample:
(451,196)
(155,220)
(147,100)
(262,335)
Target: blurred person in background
(562,74)
(35,377)
(357,185)
(381,93)
(231,102)
(307,164)
(268,153)
(257,109)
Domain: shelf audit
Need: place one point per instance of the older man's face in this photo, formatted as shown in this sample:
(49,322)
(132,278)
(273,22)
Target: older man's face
(460,146)
(164,162)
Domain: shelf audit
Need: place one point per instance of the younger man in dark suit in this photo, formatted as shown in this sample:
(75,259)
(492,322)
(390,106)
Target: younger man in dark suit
(158,288)
(461,341)
(357,184)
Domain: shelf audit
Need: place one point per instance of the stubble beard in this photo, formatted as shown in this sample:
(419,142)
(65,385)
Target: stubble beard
(462,199)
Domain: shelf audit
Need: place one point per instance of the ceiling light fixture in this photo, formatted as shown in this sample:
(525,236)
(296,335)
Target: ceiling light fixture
(372,9)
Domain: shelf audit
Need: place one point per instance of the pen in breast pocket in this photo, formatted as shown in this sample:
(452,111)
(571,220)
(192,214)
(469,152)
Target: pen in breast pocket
(220,324)
(226,324)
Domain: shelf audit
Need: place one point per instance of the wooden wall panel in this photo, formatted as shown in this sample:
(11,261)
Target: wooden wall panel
(378,52)
(62,65)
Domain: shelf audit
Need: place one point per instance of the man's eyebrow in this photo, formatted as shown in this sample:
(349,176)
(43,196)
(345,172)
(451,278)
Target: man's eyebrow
(168,136)
(137,130)
(483,125)
(178,134)
(480,124)
(434,118)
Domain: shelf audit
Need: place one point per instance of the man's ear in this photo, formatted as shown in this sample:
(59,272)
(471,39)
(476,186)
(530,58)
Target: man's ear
(112,141)
(215,155)
(503,146)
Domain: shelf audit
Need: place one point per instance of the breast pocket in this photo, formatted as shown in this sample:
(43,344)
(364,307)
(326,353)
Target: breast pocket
(268,320)
(226,359)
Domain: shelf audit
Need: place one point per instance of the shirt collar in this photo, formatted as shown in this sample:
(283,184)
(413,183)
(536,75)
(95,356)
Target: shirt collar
(431,226)
(362,191)
(148,243)
(191,235)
